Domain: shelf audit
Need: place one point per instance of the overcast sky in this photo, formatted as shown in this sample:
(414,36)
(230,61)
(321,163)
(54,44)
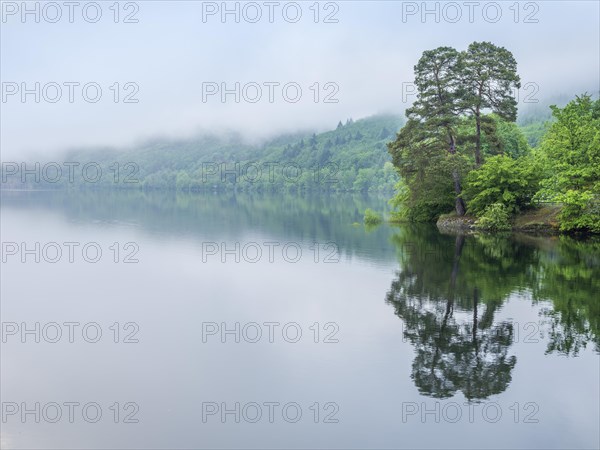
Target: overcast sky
(172,50)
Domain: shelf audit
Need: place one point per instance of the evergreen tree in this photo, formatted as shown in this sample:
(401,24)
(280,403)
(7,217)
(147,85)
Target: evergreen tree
(438,103)
(488,77)
(455,88)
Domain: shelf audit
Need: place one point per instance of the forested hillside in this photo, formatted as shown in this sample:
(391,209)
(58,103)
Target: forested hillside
(351,157)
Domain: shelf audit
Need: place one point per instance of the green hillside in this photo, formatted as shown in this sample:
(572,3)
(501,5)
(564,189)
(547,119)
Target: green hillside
(350,157)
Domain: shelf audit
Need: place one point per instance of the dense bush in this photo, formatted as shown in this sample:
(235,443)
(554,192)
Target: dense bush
(495,217)
(580,212)
(371,217)
(502,180)
(572,150)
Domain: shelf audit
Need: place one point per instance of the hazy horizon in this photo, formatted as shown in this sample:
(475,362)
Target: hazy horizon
(171,51)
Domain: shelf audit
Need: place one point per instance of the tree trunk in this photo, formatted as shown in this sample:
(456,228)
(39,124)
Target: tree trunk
(459,203)
(459,243)
(478,160)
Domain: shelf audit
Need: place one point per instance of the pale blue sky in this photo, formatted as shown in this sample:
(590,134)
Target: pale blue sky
(171,51)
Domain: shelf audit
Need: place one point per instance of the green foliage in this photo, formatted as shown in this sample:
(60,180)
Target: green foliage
(426,168)
(465,111)
(512,140)
(438,86)
(581,211)
(487,76)
(495,217)
(502,180)
(371,217)
(572,150)
(398,202)
(448,124)
(534,132)
(499,137)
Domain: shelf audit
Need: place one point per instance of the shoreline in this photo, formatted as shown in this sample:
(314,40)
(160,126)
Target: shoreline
(536,221)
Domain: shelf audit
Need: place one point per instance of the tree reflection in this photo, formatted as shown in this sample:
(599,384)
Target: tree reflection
(458,345)
(569,276)
(449,289)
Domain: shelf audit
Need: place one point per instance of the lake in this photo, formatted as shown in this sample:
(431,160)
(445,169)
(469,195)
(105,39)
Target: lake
(164,320)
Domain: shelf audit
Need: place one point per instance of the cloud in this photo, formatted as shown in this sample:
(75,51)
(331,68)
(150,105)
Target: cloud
(352,68)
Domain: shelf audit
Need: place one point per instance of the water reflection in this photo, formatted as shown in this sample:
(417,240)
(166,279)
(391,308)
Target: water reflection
(226,216)
(448,289)
(462,301)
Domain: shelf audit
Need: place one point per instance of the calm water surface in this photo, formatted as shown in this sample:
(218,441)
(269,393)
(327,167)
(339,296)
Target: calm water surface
(257,321)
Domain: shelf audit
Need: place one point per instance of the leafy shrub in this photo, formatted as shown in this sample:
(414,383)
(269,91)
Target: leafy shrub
(580,212)
(572,148)
(503,180)
(495,218)
(371,217)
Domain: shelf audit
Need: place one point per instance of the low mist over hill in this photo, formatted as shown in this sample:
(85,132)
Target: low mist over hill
(350,157)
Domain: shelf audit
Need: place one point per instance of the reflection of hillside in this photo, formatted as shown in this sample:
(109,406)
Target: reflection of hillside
(227,216)
(448,289)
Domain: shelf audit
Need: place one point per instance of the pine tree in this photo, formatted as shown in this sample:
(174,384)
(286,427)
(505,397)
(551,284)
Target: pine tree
(488,77)
(438,102)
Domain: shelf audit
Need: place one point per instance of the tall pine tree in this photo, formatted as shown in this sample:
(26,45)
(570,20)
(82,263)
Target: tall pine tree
(438,102)
(488,78)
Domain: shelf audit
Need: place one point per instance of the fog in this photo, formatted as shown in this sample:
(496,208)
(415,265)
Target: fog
(177,58)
